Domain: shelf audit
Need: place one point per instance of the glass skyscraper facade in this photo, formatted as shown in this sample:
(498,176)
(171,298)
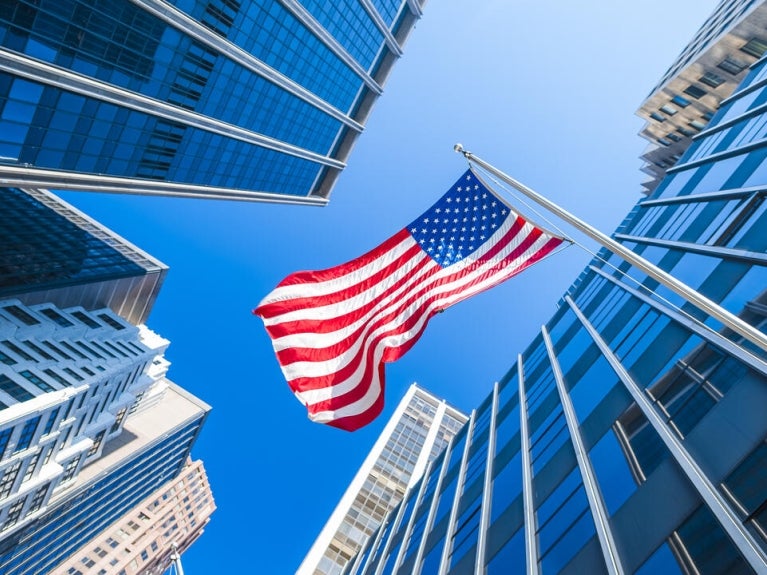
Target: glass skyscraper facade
(630,436)
(50,252)
(242,99)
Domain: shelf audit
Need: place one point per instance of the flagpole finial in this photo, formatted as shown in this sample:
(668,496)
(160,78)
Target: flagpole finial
(459,148)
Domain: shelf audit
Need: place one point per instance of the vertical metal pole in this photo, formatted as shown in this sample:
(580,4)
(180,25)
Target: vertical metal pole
(697,299)
(384,554)
(531,549)
(457,497)
(487,489)
(598,511)
(716,502)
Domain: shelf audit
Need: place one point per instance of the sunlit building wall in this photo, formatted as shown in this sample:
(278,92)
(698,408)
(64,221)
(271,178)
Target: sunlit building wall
(151,450)
(258,100)
(418,430)
(67,381)
(630,436)
(143,540)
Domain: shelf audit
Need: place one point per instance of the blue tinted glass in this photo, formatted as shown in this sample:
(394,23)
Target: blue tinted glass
(387,9)
(466,531)
(575,351)
(673,184)
(660,562)
(557,498)
(613,473)
(512,553)
(507,486)
(718,174)
(391,559)
(432,560)
(592,387)
(570,543)
(508,431)
(446,500)
(348,22)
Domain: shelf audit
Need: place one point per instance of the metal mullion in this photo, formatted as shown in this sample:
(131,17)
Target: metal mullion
(30,178)
(391,42)
(385,551)
(311,23)
(721,252)
(415,7)
(69,81)
(728,194)
(356,566)
(728,519)
(628,453)
(596,503)
(487,490)
(429,514)
(531,547)
(701,330)
(194,29)
(447,548)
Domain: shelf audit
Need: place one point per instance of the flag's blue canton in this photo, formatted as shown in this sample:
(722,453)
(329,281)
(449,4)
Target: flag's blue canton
(460,222)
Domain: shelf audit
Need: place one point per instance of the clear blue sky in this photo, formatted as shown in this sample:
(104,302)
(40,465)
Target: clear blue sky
(544,90)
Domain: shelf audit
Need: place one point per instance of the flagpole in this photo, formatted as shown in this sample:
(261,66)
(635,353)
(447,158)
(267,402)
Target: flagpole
(730,320)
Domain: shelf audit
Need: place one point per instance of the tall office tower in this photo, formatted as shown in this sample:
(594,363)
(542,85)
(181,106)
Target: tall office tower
(68,378)
(630,436)
(705,74)
(151,450)
(142,541)
(51,252)
(419,429)
(258,100)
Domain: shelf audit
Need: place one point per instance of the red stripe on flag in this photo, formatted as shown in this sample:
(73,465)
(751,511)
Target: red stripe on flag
(373,309)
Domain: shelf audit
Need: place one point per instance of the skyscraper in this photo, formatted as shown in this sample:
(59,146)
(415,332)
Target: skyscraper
(52,253)
(152,450)
(89,424)
(257,100)
(629,436)
(67,381)
(142,541)
(706,73)
(418,430)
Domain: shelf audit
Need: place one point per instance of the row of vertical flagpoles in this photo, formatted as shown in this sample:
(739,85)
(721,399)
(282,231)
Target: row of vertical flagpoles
(694,297)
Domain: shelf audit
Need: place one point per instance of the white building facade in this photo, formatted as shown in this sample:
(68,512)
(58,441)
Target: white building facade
(68,379)
(418,430)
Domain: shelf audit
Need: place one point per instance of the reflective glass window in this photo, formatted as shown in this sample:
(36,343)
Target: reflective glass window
(707,548)
(673,184)
(507,486)
(512,553)
(745,484)
(565,523)
(613,472)
(663,561)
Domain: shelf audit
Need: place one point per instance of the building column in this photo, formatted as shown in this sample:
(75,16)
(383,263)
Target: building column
(596,503)
(728,519)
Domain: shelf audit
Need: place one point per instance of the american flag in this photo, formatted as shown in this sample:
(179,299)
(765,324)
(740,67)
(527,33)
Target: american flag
(334,329)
